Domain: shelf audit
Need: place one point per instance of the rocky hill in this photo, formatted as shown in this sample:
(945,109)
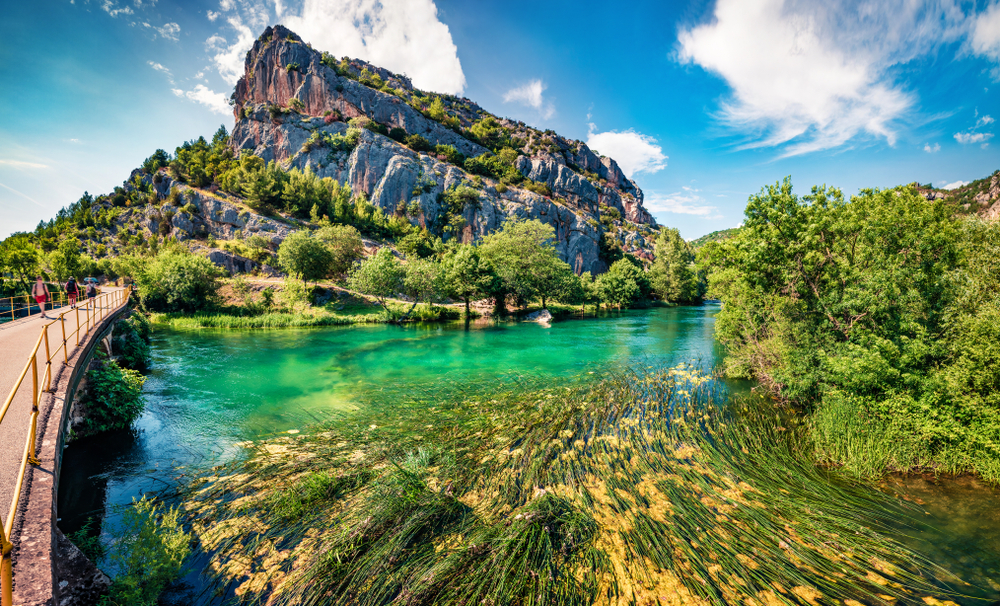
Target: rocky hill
(981,197)
(296,106)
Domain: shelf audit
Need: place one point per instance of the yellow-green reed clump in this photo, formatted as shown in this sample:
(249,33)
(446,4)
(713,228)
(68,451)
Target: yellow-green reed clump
(637,489)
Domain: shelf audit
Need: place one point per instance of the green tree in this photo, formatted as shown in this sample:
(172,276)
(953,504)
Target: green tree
(380,276)
(622,285)
(674,276)
(303,190)
(21,257)
(303,255)
(66,261)
(519,253)
(420,282)
(345,246)
(464,276)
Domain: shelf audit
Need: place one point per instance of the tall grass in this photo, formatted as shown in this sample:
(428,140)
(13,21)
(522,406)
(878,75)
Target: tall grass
(637,489)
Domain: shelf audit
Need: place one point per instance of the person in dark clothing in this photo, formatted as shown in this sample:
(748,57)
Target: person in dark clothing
(72,291)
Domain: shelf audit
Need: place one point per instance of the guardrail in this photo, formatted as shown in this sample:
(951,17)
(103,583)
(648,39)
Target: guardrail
(41,382)
(10,307)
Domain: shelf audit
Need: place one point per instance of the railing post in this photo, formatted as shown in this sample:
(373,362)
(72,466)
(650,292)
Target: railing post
(34,376)
(65,349)
(78,326)
(6,570)
(48,359)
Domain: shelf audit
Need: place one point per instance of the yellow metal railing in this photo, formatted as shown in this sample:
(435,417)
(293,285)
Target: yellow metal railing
(41,382)
(10,307)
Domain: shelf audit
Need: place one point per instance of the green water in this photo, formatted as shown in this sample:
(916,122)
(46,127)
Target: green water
(209,390)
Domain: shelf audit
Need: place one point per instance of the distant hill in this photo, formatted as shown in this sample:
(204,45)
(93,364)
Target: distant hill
(981,197)
(715,236)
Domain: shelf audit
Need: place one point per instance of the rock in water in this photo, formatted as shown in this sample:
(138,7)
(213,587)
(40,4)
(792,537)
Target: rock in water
(542,317)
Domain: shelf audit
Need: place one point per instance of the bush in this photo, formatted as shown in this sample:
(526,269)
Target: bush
(114,398)
(397,134)
(177,280)
(131,342)
(305,256)
(418,143)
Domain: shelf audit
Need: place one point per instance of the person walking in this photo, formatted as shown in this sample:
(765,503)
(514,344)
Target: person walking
(91,293)
(72,291)
(41,293)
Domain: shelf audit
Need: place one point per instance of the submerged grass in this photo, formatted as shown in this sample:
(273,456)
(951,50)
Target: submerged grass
(638,489)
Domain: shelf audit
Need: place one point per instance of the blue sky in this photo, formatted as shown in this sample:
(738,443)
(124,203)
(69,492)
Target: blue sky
(701,102)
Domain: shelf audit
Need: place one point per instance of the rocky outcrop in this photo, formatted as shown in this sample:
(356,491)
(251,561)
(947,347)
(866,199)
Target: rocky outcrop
(289,95)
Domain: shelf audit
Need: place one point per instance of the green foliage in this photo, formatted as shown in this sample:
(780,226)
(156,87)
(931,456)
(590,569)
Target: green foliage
(154,163)
(539,188)
(176,280)
(418,143)
(623,285)
(114,398)
(500,166)
(674,276)
(200,163)
(131,342)
(450,154)
(380,276)
(464,276)
(303,255)
(490,134)
(878,315)
(345,246)
(418,244)
(397,134)
(522,255)
(148,554)
(66,260)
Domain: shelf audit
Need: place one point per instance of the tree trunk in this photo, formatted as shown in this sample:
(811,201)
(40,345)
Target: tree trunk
(544,306)
(466,307)
(407,315)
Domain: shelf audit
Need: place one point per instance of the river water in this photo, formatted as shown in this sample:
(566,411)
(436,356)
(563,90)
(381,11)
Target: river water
(209,390)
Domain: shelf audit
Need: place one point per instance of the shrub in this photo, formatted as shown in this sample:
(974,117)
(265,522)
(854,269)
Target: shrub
(296,104)
(418,143)
(397,134)
(131,342)
(177,280)
(302,255)
(292,67)
(114,398)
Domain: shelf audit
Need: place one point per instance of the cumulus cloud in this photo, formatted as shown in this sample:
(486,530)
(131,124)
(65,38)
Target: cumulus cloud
(111,7)
(974,135)
(530,94)
(217,102)
(169,30)
(212,16)
(685,202)
(932,149)
(955,185)
(228,57)
(811,75)
(164,70)
(634,152)
(404,36)
(985,37)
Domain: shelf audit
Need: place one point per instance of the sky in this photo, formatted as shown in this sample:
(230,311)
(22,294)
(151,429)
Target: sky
(702,103)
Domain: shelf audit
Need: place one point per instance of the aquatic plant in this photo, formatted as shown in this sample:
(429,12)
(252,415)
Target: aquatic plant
(638,488)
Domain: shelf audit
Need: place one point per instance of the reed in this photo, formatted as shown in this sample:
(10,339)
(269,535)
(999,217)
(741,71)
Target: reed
(636,489)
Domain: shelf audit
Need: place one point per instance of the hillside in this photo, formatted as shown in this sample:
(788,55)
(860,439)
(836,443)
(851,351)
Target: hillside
(317,139)
(715,236)
(981,197)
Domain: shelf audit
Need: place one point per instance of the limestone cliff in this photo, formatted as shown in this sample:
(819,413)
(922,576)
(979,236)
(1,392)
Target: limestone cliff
(292,98)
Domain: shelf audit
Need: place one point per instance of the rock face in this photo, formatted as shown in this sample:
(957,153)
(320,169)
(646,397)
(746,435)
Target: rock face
(290,92)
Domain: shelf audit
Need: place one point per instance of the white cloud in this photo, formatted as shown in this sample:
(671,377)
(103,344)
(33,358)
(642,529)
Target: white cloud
(985,37)
(811,74)
(229,59)
(177,92)
(22,164)
(967,138)
(111,7)
(530,94)
(973,135)
(634,152)
(685,202)
(954,185)
(212,16)
(932,149)
(404,36)
(169,30)
(217,102)
(160,68)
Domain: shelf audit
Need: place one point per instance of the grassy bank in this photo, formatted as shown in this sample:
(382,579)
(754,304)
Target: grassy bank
(638,489)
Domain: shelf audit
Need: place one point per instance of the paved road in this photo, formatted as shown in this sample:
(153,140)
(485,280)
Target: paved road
(17,339)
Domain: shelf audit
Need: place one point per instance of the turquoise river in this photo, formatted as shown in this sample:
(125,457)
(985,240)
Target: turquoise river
(210,390)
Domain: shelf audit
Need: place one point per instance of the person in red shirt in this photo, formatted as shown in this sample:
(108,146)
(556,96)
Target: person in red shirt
(41,294)
(72,291)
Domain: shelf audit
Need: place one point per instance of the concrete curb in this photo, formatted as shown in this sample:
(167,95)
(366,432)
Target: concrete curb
(38,569)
